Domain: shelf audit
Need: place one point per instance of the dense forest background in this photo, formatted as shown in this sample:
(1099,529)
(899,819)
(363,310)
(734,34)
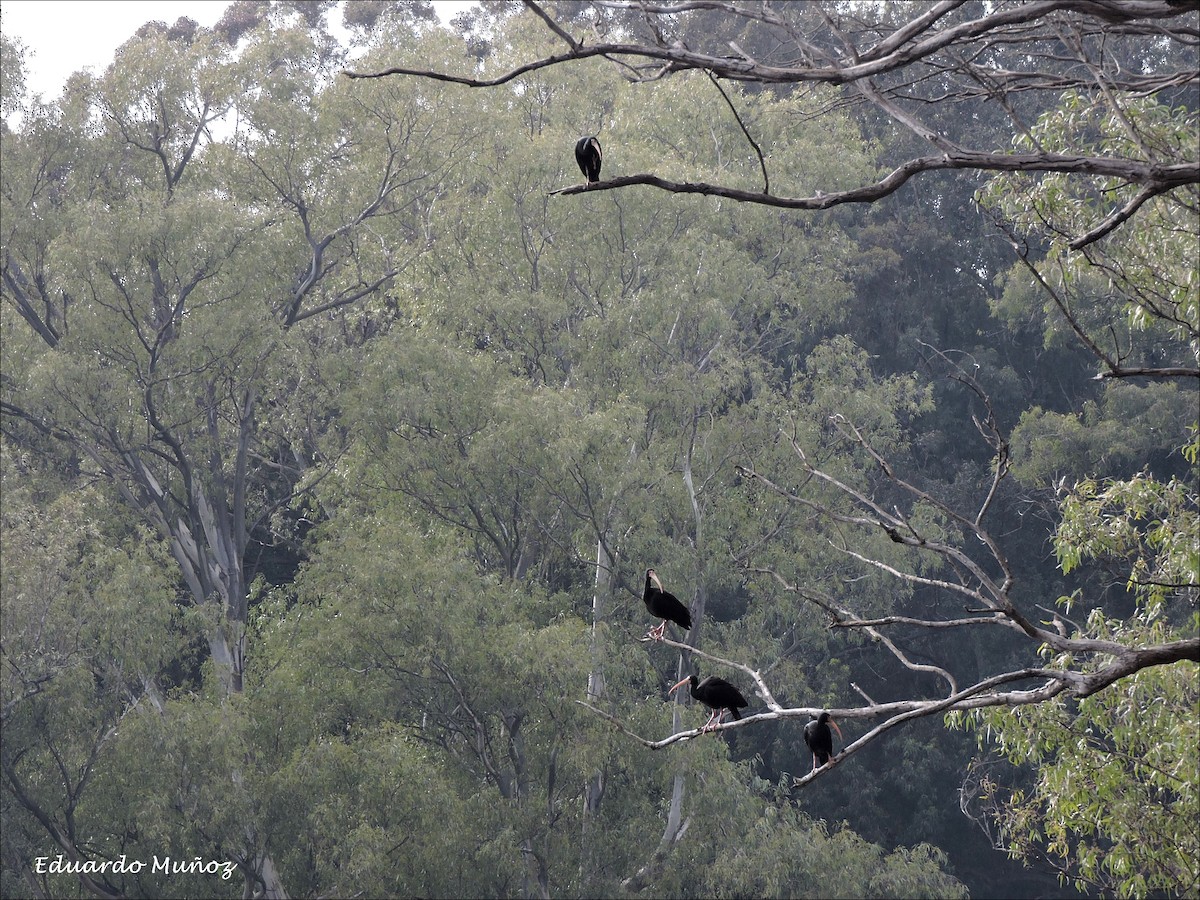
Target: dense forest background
(337,440)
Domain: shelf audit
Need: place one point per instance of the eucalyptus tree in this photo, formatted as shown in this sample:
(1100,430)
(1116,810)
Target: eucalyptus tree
(89,621)
(194,243)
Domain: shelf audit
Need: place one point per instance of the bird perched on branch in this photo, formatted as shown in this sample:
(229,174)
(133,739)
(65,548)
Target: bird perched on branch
(820,740)
(663,605)
(715,693)
(589,156)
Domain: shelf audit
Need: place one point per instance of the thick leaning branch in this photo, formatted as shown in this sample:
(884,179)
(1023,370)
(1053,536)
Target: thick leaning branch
(897,51)
(1158,178)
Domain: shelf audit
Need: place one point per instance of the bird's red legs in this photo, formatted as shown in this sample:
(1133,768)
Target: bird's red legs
(718,715)
(833,758)
(656,633)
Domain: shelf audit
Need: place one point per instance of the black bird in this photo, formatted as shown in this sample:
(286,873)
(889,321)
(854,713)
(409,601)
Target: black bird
(715,693)
(663,605)
(819,739)
(589,157)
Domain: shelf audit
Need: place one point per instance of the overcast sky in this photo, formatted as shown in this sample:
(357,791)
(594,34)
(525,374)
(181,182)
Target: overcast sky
(64,36)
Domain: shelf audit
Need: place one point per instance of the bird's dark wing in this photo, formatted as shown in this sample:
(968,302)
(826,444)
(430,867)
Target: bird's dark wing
(581,155)
(597,159)
(719,694)
(820,740)
(667,606)
(589,156)
(739,702)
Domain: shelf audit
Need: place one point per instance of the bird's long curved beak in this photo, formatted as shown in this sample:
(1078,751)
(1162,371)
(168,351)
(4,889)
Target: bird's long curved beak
(838,730)
(654,578)
(678,686)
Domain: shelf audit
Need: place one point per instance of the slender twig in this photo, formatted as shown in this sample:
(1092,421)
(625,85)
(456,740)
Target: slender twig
(760,684)
(753,143)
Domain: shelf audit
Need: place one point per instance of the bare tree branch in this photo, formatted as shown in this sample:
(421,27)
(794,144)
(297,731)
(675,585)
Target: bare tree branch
(980,695)
(1160,178)
(974,55)
(1080,667)
(762,162)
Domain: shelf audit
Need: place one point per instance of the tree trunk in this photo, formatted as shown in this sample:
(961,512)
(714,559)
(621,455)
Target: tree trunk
(266,883)
(210,549)
(593,791)
(676,825)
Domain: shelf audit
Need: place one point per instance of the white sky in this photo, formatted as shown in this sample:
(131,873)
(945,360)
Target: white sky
(64,36)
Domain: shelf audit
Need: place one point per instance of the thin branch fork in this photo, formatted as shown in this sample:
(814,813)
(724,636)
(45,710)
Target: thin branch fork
(995,600)
(846,618)
(1122,660)
(1113,366)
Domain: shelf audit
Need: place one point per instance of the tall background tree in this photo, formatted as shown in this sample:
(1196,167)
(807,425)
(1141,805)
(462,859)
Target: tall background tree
(180,296)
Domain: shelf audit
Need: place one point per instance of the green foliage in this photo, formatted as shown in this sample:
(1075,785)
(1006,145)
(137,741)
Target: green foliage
(1151,525)
(1113,797)
(90,624)
(12,77)
(1143,275)
(786,855)
(1127,427)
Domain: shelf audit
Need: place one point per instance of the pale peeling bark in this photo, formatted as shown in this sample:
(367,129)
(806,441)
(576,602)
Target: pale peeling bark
(593,791)
(673,833)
